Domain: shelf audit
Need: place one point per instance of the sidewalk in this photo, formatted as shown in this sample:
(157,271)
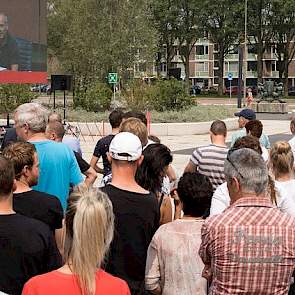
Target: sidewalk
(180,142)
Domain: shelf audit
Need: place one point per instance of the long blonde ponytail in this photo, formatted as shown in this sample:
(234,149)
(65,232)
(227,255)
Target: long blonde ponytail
(89,232)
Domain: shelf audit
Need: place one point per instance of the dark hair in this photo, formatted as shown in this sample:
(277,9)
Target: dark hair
(139,115)
(218,127)
(255,127)
(115,118)
(21,154)
(154,138)
(150,173)
(6,176)
(249,142)
(195,192)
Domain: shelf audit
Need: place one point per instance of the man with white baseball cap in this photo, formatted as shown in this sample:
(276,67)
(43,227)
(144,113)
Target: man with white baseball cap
(136,213)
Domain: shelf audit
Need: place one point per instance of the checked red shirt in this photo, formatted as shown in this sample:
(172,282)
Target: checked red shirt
(249,249)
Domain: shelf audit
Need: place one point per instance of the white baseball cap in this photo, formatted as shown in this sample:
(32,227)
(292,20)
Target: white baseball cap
(125,146)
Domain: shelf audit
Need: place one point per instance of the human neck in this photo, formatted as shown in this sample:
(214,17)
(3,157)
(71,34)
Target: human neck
(189,217)
(284,177)
(124,178)
(22,186)
(218,140)
(6,205)
(40,136)
(115,131)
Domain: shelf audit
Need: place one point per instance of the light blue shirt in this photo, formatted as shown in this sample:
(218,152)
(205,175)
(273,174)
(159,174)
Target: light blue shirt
(73,143)
(242,132)
(58,169)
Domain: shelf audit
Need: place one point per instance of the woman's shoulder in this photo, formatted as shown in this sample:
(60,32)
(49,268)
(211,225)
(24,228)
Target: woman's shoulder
(108,282)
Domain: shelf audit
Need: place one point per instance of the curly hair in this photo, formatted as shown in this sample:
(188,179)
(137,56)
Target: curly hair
(195,192)
(150,173)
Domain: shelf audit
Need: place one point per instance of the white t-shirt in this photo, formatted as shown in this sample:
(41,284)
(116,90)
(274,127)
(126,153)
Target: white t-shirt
(265,154)
(286,196)
(220,200)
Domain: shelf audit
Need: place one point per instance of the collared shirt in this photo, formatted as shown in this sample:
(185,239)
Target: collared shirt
(249,248)
(264,140)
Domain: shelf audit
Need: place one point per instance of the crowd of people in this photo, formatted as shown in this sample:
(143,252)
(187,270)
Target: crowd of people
(225,226)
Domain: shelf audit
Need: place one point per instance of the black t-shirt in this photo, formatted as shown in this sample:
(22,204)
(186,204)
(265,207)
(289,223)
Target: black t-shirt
(27,248)
(101,150)
(41,206)
(9,137)
(83,165)
(9,54)
(136,220)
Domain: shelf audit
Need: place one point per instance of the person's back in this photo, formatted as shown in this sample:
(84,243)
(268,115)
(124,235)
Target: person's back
(27,248)
(249,248)
(177,244)
(41,206)
(58,169)
(58,283)
(136,213)
(136,220)
(252,244)
(89,227)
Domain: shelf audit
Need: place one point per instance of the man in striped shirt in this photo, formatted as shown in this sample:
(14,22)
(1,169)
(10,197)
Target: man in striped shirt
(209,160)
(250,247)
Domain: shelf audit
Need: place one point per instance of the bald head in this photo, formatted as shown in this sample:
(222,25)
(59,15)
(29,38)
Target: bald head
(55,131)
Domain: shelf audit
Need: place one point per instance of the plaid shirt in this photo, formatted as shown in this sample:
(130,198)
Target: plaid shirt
(249,249)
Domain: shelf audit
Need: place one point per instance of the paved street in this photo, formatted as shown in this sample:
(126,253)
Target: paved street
(182,146)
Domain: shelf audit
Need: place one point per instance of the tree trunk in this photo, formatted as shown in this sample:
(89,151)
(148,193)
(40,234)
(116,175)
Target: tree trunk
(259,63)
(220,70)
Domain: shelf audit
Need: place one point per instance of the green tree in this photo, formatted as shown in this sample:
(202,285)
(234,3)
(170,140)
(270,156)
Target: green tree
(222,20)
(188,30)
(259,29)
(283,25)
(91,38)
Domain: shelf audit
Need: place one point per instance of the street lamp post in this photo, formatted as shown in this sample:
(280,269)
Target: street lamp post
(245,52)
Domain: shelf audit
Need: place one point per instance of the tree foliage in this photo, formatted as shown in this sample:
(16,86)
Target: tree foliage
(222,20)
(91,38)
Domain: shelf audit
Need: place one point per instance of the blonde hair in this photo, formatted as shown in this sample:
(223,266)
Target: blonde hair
(281,158)
(135,126)
(89,231)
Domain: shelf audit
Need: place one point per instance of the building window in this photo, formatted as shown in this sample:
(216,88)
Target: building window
(273,66)
(233,66)
(252,66)
(202,67)
(202,50)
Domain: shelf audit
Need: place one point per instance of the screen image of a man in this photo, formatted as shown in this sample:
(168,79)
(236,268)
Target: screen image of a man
(9,54)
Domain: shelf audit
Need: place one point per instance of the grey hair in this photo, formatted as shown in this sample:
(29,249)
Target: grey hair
(251,166)
(33,114)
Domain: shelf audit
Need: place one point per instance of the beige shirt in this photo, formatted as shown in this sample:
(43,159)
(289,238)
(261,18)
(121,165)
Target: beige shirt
(173,262)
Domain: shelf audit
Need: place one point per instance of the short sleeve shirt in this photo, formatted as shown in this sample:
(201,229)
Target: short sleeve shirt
(101,150)
(58,169)
(41,206)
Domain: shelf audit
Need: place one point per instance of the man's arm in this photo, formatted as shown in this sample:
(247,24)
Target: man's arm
(90,176)
(93,163)
(190,167)
(205,252)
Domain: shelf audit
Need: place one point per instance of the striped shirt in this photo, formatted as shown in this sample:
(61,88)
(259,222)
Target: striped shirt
(249,249)
(209,161)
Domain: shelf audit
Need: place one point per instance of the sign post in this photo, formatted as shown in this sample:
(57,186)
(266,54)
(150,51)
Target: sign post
(113,79)
(230,78)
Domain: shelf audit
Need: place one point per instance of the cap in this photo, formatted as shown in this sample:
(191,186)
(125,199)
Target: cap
(125,146)
(247,114)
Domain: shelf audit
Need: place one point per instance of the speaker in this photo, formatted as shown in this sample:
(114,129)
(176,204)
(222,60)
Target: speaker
(176,73)
(61,82)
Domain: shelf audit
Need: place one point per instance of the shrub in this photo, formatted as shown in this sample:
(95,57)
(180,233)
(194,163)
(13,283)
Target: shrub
(169,95)
(137,95)
(13,95)
(96,97)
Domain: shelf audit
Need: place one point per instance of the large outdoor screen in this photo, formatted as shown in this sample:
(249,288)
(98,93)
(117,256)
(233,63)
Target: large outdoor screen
(23,41)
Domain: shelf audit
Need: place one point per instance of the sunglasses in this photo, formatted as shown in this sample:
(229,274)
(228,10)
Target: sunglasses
(229,160)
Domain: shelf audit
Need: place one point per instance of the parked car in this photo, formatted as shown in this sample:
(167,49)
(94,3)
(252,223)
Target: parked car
(235,89)
(195,89)
(291,91)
